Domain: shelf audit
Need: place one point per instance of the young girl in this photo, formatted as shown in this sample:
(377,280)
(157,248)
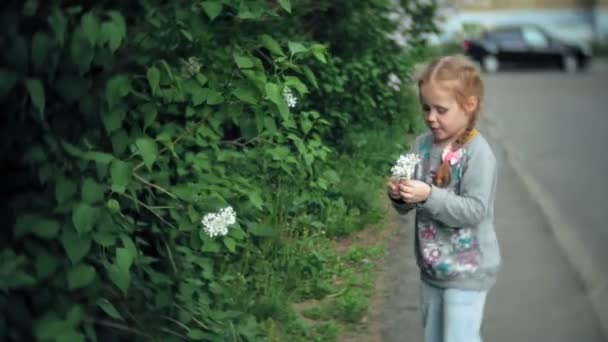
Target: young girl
(453,195)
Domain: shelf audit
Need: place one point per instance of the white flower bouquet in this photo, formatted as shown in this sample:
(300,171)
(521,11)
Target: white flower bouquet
(405,166)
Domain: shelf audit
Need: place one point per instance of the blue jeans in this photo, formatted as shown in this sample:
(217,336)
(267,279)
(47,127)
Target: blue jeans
(451,315)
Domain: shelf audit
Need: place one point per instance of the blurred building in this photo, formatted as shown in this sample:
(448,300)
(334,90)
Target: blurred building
(580,20)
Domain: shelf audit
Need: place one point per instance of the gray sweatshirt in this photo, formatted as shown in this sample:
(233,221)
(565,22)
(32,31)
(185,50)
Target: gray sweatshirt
(456,244)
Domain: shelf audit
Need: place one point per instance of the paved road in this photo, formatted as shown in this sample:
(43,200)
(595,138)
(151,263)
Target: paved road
(555,125)
(538,297)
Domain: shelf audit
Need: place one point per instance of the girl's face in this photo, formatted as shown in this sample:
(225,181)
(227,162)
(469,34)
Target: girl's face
(444,116)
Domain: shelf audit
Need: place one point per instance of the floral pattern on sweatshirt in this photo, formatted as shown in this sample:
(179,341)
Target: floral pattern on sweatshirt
(445,252)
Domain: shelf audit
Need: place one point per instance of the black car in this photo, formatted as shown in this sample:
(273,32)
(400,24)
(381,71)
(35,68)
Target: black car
(525,46)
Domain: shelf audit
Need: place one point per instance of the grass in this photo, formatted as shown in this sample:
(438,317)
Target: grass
(349,308)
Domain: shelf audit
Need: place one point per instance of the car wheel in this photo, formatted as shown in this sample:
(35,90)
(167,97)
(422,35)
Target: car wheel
(570,63)
(490,63)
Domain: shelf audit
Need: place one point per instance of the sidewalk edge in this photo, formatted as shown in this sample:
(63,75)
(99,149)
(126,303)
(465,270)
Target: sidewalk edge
(565,234)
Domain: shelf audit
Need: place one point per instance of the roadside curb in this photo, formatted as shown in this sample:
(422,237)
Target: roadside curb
(582,262)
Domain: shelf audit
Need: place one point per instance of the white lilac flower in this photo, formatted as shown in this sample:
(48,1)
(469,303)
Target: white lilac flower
(217,223)
(405,166)
(289,97)
(394,81)
(191,67)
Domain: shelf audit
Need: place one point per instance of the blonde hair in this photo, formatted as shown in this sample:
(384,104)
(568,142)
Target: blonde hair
(462,77)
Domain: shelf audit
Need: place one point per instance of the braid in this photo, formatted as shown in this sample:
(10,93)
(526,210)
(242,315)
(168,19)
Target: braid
(443,176)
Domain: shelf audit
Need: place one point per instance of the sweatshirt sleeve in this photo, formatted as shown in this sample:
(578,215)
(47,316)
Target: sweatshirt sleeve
(478,184)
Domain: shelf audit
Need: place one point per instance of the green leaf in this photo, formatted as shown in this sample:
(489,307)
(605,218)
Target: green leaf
(36,91)
(259,229)
(112,119)
(212,8)
(41,44)
(120,174)
(70,335)
(75,316)
(229,243)
(109,309)
(46,264)
(319,52)
(113,31)
(104,239)
(64,189)
(186,34)
(84,217)
(243,62)
(124,258)
(199,95)
(286,4)
(121,278)
(100,157)
(82,51)
(245,93)
(90,27)
(148,150)
(49,328)
(30,7)
(17,280)
(72,150)
(295,82)
(80,276)
(153,75)
(310,75)
(45,228)
(296,48)
(92,192)
(272,45)
(129,245)
(149,113)
(210,245)
(117,87)
(255,199)
(275,95)
(8,79)
(75,246)
(214,97)
(196,334)
(202,80)
(58,23)
(250,10)
(120,141)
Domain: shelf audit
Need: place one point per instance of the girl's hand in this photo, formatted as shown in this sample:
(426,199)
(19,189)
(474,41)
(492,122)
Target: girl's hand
(393,189)
(413,191)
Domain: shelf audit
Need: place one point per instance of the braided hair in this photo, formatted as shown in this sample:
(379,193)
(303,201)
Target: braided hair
(463,79)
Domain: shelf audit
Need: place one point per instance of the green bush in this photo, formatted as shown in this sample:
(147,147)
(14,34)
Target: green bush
(126,122)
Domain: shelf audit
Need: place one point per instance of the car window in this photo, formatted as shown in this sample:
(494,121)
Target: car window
(535,37)
(507,36)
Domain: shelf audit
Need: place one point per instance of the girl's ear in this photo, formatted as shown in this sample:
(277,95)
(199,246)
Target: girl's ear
(471,104)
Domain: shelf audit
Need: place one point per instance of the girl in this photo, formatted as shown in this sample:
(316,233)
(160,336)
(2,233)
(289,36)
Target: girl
(453,195)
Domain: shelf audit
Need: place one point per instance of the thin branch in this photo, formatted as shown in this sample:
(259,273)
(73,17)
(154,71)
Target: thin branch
(180,137)
(169,331)
(147,207)
(192,317)
(122,327)
(173,264)
(182,325)
(157,187)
